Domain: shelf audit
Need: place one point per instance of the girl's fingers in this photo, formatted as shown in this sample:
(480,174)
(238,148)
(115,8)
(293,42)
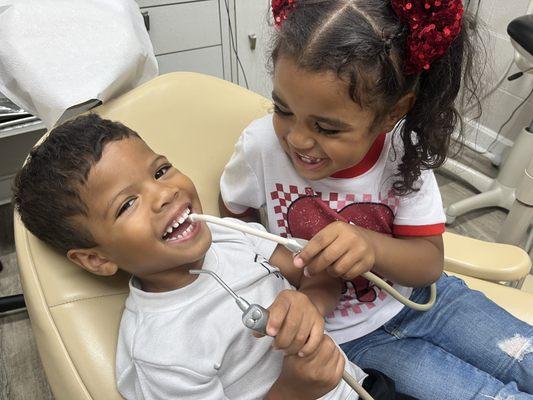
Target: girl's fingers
(330,255)
(356,269)
(343,265)
(319,242)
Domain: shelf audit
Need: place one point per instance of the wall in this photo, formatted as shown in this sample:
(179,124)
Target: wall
(496,14)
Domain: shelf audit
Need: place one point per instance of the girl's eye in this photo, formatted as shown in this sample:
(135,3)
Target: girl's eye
(125,206)
(279,111)
(162,171)
(324,130)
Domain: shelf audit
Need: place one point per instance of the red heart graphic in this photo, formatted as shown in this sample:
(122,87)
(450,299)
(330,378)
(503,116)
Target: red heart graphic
(308,215)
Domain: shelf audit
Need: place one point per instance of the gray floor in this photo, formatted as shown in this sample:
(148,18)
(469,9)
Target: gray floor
(21,374)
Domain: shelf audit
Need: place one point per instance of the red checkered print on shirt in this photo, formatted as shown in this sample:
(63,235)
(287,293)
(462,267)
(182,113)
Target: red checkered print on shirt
(284,195)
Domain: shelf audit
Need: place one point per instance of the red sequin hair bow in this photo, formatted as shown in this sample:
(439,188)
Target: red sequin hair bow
(281,10)
(433,26)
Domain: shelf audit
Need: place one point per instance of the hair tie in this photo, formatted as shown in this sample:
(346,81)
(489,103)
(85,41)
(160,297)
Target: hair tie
(281,10)
(433,26)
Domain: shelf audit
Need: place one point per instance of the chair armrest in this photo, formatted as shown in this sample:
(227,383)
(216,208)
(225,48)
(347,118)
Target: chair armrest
(485,260)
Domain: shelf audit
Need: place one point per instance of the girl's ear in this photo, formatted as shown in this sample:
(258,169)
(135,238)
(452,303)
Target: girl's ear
(92,261)
(402,107)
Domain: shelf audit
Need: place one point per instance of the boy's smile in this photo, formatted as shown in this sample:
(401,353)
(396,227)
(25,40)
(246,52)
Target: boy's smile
(319,126)
(138,206)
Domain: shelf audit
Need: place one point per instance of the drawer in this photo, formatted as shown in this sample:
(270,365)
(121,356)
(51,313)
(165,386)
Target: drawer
(207,61)
(185,26)
(151,3)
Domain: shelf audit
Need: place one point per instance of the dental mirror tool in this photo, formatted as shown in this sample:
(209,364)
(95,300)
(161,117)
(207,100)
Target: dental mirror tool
(255,317)
(296,245)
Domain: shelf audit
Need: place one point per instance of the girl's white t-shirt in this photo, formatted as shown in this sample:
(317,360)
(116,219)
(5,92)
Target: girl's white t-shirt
(260,175)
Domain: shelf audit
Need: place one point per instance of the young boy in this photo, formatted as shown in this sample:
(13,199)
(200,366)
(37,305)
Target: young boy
(95,191)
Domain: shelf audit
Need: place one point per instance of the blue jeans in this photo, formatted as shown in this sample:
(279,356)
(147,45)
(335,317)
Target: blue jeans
(465,347)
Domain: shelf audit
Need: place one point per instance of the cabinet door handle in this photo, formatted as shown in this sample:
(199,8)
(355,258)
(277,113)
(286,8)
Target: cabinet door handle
(253,40)
(146,19)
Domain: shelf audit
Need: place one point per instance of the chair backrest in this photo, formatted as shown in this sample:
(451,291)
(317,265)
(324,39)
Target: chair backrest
(194,120)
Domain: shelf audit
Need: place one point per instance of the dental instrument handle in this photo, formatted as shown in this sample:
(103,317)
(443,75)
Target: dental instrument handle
(295,245)
(291,244)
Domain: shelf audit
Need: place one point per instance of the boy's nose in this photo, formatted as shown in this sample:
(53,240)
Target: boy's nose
(163,196)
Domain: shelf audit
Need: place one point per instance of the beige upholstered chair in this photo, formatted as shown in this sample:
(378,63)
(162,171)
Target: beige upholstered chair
(194,120)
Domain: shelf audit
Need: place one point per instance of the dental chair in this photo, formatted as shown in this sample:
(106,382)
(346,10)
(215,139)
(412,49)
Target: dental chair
(195,121)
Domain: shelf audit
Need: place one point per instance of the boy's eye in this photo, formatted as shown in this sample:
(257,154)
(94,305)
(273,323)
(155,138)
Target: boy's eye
(162,171)
(279,111)
(324,130)
(125,206)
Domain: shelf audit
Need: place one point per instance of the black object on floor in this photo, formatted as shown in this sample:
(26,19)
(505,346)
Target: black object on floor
(10,303)
(381,387)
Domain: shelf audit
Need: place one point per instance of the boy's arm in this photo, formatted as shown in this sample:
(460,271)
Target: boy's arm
(322,289)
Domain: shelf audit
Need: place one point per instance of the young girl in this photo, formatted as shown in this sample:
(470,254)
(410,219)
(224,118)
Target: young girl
(364,97)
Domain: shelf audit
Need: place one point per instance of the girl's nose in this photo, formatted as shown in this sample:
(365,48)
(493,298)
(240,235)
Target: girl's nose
(300,138)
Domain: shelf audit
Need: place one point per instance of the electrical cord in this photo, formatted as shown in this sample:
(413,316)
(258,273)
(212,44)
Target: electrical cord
(233,45)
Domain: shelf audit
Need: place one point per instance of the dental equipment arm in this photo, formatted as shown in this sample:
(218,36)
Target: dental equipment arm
(296,245)
(255,317)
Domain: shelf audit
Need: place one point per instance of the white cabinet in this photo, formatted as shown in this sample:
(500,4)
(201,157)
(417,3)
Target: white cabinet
(188,35)
(206,36)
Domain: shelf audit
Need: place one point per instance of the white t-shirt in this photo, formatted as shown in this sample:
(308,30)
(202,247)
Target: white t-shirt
(260,174)
(190,343)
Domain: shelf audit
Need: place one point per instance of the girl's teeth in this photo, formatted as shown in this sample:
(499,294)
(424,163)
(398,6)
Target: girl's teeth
(181,220)
(169,229)
(175,224)
(180,236)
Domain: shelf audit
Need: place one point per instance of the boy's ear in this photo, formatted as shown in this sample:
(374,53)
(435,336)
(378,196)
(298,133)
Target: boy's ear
(402,107)
(92,261)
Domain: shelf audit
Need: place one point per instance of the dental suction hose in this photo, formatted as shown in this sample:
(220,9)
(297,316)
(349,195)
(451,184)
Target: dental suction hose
(255,317)
(296,245)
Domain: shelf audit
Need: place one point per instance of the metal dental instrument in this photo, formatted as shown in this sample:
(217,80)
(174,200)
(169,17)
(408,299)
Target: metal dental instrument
(255,318)
(296,245)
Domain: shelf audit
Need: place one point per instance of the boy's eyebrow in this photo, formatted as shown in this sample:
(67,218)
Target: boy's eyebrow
(330,121)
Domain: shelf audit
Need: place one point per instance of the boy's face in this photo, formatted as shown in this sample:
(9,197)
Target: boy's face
(138,204)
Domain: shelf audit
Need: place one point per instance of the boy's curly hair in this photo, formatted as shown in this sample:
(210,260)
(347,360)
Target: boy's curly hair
(46,191)
(364,43)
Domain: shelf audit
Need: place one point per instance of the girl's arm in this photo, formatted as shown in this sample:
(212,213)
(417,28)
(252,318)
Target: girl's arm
(346,251)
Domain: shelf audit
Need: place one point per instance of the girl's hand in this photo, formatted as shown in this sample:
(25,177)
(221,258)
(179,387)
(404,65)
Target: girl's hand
(296,324)
(343,250)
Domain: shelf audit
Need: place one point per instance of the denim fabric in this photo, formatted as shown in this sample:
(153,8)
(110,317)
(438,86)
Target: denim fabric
(465,347)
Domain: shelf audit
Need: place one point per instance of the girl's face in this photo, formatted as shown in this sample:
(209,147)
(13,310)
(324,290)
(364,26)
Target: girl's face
(319,126)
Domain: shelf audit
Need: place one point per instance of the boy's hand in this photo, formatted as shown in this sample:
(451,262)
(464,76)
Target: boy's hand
(312,376)
(343,250)
(296,323)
